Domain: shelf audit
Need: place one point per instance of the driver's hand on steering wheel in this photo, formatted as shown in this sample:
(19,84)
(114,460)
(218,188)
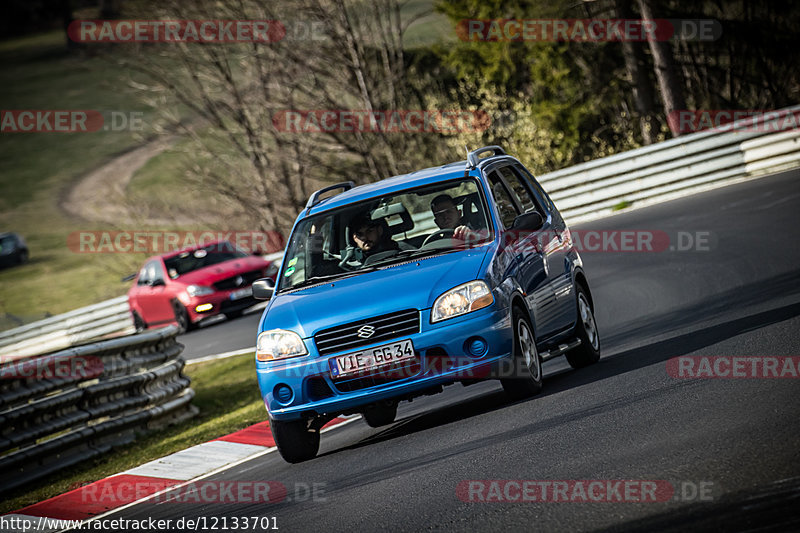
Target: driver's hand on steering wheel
(462,233)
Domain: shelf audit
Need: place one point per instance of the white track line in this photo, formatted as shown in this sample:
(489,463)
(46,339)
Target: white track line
(213,472)
(221,356)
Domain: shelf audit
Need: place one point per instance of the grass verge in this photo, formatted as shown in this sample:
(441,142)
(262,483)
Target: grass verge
(228,398)
(36,169)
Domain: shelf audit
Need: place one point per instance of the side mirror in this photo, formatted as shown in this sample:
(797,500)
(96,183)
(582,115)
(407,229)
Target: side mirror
(157,283)
(130,277)
(528,221)
(263,289)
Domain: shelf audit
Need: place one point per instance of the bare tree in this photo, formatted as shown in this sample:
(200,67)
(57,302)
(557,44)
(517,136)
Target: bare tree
(332,57)
(636,67)
(669,81)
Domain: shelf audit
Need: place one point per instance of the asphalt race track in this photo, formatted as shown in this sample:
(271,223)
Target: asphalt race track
(730,448)
(222,335)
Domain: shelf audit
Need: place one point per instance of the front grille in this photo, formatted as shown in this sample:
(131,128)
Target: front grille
(385,327)
(247,279)
(403,370)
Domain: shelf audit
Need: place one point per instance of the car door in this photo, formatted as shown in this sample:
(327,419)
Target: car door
(528,254)
(152,294)
(557,246)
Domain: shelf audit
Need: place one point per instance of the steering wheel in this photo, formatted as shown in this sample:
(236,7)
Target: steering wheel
(441,234)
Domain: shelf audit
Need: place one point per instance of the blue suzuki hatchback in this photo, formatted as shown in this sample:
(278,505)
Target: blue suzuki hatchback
(395,289)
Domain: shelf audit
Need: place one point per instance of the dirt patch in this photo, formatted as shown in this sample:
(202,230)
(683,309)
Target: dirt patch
(100,195)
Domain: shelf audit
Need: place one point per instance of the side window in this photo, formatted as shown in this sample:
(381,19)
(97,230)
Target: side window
(158,272)
(521,191)
(144,276)
(538,191)
(149,273)
(505,204)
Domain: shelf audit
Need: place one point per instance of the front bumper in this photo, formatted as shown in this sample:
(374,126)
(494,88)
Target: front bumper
(220,303)
(442,358)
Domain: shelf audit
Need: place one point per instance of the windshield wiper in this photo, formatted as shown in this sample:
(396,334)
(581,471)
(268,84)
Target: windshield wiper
(412,254)
(315,280)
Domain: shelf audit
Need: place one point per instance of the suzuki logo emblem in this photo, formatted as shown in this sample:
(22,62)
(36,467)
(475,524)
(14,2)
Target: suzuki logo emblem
(239,280)
(365,332)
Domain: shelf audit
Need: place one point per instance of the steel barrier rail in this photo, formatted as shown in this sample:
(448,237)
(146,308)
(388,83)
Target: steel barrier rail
(59,409)
(111,317)
(687,164)
(647,175)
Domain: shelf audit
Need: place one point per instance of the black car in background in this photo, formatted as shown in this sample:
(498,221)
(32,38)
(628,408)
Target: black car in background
(13,250)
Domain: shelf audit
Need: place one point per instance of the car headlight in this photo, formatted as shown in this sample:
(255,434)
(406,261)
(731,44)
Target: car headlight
(462,300)
(199,290)
(279,344)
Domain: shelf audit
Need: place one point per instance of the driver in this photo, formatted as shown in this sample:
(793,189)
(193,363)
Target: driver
(446,216)
(370,237)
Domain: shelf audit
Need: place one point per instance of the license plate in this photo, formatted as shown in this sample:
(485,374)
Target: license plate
(371,358)
(242,293)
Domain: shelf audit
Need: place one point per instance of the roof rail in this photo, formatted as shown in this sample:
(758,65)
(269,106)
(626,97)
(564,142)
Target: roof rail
(474,156)
(314,199)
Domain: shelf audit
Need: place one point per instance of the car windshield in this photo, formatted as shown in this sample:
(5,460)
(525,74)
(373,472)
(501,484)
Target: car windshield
(7,243)
(385,230)
(195,259)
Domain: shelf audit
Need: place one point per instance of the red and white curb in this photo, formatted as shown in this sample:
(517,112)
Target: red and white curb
(136,485)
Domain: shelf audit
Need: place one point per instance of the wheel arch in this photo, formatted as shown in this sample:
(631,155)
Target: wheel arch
(580,279)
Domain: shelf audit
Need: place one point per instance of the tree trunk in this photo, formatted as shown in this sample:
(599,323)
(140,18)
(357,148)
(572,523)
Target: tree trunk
(636,66)
(669,81)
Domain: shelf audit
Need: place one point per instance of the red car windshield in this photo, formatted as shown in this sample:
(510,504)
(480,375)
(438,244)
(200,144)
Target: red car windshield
(192,260)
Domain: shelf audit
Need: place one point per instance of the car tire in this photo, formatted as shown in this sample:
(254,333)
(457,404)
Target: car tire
(526,380)
(181,317)
(380,415)
(296,442)
(586,330)
(138,324)
(23,257)
(234,314)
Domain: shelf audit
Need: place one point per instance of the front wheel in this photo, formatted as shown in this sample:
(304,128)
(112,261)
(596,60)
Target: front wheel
(526,380)
(230,315)
(586,330)
(181,317)
(138,322)
(295,440)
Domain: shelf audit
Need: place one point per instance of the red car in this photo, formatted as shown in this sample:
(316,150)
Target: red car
(186,286)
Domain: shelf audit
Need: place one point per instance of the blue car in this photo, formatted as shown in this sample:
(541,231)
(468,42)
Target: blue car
(395,289)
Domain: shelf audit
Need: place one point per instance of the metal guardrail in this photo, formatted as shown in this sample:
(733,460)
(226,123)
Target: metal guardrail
(674,168)
(60,409)
(655,173)
(111,317)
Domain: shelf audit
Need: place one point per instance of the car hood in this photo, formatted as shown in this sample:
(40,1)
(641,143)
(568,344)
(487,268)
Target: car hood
(214,273)
(413,285)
